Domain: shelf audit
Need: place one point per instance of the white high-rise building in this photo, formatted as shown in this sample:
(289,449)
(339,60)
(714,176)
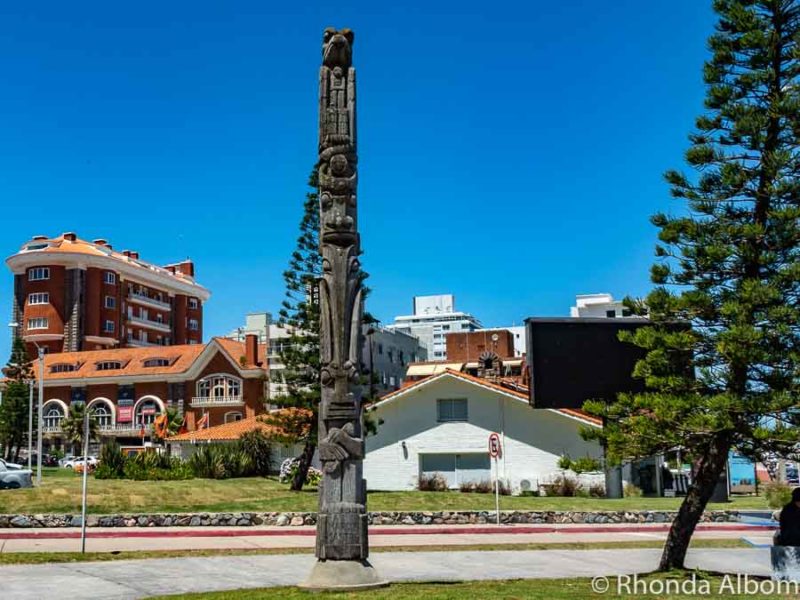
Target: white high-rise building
(598,305)
(434,317)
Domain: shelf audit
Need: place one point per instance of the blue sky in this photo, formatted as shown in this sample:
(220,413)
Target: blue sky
(510,152)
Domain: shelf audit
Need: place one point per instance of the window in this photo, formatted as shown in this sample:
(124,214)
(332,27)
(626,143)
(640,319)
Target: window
(230,417)
(219,386)
(40,298)
(39,273)
(101,414)
(146,412)
(111,302)
(626,312)
(445,327)
(110,277)
(457,468)
(156,362)
(193,325)
(380,348)
(53,416)
(63,368)
(611,314)
(108,365)
(38,323)
(451,410)
(193,303)
(108,326)
(159,318)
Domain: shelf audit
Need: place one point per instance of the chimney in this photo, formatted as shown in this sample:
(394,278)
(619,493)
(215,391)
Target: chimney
(70,236)
(186,267)
(100,242)
(134,255)
(39,238)
(251,348)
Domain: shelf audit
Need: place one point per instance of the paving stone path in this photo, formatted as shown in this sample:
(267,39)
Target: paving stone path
(134,579)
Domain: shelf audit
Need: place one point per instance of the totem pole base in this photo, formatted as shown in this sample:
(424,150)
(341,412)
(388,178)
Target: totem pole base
(343,576)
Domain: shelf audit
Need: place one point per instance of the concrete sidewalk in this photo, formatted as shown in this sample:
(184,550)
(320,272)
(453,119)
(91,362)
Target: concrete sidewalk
(134,579)
(197,538)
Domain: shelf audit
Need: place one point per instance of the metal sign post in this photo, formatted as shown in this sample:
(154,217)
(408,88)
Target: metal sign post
(496,451)
(85,479)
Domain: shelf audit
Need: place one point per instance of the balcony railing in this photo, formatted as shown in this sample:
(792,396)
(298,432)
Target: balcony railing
(51,429)
(163,327)
(145,299)
(199,401)
(140,343)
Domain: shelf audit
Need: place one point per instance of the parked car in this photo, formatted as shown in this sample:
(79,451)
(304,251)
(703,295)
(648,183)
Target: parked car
(64,459)
(79,460)
(12,479)
(49,460)
(9,465)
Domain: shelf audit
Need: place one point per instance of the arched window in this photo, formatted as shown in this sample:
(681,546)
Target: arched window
(219,386)
(102,414)
(146,412)
(230,417)
(53,415)
(156,362)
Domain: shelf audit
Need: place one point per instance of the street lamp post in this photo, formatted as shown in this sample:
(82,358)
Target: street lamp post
(39,416)
(30,421)
(40,351)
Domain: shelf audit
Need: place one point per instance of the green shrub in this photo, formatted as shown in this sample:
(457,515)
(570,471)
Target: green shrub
(258,447)
(152,466)
(777,494)
(435,482)
(112,462)
(631,491)
(597,490)
(564,486)
(207,463)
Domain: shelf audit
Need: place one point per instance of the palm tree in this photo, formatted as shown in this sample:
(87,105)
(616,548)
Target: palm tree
(174,422)
(72,427)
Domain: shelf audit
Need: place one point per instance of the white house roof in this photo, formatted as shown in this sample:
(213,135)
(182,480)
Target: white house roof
(571,413)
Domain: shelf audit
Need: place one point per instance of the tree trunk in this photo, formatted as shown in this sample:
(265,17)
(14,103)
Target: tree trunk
(302,468)
(680,534)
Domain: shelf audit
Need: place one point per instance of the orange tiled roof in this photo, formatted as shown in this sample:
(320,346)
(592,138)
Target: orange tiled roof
(223,433)
(230,431)
(180,359)
(59,244)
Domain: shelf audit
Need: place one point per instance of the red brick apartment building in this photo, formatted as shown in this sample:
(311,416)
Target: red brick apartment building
(127,388)
(72,295)
(486,353)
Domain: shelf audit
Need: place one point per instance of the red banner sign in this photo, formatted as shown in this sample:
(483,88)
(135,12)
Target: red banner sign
(124,414)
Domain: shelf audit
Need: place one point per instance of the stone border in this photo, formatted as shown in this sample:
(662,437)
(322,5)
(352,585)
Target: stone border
(296,519)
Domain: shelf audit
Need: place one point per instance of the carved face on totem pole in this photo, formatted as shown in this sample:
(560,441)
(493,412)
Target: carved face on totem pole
(340,289)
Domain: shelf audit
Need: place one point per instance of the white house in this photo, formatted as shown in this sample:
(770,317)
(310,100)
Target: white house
(442,424)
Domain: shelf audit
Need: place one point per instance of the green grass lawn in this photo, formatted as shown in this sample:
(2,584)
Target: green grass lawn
(529,589)
(61,493)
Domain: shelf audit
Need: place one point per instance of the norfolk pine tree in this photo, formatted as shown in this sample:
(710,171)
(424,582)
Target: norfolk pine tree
(16,399)
(299,314)
(729,265)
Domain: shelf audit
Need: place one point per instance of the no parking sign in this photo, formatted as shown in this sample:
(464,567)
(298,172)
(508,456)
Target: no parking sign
(496,452)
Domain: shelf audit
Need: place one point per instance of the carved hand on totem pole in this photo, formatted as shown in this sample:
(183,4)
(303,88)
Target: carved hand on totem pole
(340,445)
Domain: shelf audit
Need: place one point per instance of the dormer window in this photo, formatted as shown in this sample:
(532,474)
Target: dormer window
(156,362)
(108,365)
(63,368)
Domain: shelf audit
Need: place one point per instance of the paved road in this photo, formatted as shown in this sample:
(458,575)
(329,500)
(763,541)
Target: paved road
(180,538)
(134,579)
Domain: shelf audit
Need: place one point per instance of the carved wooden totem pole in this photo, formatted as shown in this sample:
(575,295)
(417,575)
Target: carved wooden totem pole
(342,546)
